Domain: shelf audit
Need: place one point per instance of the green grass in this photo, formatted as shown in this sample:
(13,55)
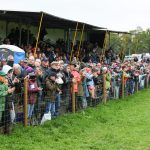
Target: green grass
(118,125)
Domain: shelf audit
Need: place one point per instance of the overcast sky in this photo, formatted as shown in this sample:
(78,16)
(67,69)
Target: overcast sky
(121,15)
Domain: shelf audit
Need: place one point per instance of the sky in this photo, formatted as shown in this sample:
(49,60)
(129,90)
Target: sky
(118,15)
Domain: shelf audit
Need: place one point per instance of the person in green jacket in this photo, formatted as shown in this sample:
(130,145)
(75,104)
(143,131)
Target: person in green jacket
(4,91)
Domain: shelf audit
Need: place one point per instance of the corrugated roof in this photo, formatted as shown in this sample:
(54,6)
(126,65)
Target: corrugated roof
(49,21)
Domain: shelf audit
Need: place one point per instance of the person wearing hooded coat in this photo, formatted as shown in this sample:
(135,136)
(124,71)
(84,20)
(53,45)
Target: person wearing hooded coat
(4,107)
(11,98)
(33,90)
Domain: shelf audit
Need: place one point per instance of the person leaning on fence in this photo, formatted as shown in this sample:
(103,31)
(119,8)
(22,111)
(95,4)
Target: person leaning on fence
(85,89)
(51,93)
(40,81)
(4,91)
(90,82)
(108,80)
(76,79)
(33,90)
(116,81)
(66,87)
(11,98)
(18,74)
(55,68)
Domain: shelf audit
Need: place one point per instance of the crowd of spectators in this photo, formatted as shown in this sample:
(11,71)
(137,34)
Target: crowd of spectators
(51,75)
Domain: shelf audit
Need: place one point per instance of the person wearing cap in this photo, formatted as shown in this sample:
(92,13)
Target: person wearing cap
(25,66)
(44,64)
(55,68)
(51,93)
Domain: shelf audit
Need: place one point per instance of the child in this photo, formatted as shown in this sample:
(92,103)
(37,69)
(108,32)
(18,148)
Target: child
(51,92)
(33,90)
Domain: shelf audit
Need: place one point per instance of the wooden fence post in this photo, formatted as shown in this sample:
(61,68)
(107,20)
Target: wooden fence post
(147,81)
(104,89)
(137,86)
(25,101)
(123,85)
(73,99)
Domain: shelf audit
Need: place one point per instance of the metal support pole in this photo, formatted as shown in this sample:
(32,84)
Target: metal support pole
(68,40)
(37,39)
(75,34)
(25,101)
(109,39)
(80,41)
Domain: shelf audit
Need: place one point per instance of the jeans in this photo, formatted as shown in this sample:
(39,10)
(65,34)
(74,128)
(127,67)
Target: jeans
(131,87)
(57,103)
(116,92)
(40,98)
(50,106)
(84,102)
(108,60)
(30,110)
(142,82)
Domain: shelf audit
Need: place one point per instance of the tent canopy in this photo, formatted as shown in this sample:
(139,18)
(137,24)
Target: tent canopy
(49,21)
(12,48)
(6,50)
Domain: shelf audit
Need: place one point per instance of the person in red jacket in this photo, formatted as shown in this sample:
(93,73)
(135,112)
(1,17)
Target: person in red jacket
(33,90)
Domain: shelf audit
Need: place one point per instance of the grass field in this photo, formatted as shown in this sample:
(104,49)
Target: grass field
(118,125)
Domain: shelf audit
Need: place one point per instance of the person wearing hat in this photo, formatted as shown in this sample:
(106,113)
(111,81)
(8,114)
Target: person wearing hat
(11,84)
(9,74)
